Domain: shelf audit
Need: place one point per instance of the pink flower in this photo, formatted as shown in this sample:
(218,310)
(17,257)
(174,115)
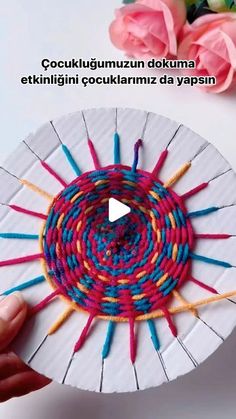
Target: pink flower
(149,28)
(211,42)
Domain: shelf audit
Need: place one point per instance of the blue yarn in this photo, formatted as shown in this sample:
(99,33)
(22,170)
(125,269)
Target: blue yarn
(109,305)
(116,148)
(176,217)
(170,288)
(52,250)
(166,284)
(154,337)
(55,220)
(180,253)
(71,160)
(169,250)
(167,220)
(181,216)
(200,213)
(210,260)
(142,305)
(25,285)
(69,189)
(111,311)
(108,340)
(185,253)
(129,187)
(19,236)
(77,299)
(79,293)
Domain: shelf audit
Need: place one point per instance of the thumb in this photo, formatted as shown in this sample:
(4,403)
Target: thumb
(13,311)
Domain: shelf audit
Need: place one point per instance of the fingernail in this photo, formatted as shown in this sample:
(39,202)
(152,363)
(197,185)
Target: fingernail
(11,306)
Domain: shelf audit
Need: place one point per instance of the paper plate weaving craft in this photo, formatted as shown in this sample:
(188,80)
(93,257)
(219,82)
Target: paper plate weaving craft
(129,304)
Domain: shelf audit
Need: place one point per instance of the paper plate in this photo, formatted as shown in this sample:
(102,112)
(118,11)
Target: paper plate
(126,305)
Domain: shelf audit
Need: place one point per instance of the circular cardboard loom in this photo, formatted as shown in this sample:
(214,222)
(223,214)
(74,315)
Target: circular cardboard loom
(131,304)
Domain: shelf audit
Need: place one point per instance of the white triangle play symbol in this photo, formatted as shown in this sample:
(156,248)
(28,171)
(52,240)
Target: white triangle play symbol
(117,209)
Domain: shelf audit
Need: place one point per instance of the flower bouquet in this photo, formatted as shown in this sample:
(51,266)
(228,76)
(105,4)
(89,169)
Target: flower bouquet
(199,30)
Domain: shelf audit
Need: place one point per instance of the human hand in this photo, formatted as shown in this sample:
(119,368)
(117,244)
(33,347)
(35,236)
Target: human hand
(16,378)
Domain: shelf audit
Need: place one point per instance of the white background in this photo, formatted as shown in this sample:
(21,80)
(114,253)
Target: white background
(58,29)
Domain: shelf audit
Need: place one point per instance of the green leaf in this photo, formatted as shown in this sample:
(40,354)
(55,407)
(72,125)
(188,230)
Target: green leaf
(216,5)
(190,2)
(128,1)
(229,3)
(222,5)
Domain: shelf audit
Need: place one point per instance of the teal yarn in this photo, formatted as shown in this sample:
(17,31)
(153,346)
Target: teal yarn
(210,260)
(203,212)
(71,160)
(19,236)
(116,148)
(153,332)
(108,341)
(25,285)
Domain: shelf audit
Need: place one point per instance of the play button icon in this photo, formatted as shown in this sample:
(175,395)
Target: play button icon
(117,209)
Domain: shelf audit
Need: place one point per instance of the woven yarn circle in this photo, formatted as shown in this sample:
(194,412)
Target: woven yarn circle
(146,253)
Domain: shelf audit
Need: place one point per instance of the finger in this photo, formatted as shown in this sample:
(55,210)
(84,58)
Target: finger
(13,311)
(21,384)
(10,365)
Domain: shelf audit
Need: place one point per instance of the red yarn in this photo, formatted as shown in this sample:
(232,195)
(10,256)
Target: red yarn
(29,212)
(212,236)
(94,155)
(133,343)
(195,190)
(84,333)
(40,306)
(170,322)
(53,173)
(202,285)
(160,162)
(22,259)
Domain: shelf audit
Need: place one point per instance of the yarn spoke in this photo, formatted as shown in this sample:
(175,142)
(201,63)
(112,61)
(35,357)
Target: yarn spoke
(210,261)
(84,333)
(40,306)
(25,285)
(71,160)
(116,148)
(177,176)
(154,336)
(23,259)
(108,341)
(195,191)
(160,163)
(202,213)
(94,155)
(137,146)
(36,189)
(26,211)
(67,153)
(203,285)
(47,167)
(21,236)
(61,320)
